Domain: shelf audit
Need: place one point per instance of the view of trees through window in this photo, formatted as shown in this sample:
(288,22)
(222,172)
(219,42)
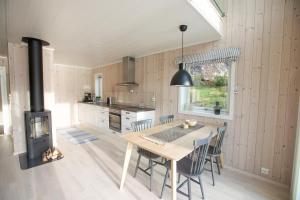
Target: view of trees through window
(210,86)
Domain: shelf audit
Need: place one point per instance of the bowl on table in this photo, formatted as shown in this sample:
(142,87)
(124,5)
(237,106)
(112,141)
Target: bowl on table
(191,122)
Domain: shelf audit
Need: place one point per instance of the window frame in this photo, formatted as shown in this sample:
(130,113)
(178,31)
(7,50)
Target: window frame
(95,79)
(228,116)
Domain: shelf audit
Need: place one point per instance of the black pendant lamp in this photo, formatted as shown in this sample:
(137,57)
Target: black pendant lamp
(182,78)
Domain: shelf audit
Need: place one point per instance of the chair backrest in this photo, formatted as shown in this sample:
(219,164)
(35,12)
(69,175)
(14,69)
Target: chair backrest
(166,119)
(198,156)
(219,139)
(141,125)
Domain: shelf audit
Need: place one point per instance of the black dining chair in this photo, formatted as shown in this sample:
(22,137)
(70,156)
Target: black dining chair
(215,150)
(191,167)
(140,126)
(166,119)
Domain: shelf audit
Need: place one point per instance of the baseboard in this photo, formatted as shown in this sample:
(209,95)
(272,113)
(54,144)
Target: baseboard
(257,177)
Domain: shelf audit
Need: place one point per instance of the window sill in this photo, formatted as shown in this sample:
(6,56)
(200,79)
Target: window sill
(206,114)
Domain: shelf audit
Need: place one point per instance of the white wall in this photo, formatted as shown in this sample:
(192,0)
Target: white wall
(70,84)
(19,88)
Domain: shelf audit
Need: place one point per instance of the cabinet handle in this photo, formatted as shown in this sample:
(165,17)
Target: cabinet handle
(128,129)
(128,113)
(127,118)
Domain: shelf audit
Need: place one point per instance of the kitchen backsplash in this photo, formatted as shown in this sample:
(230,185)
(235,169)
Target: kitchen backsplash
(132,97)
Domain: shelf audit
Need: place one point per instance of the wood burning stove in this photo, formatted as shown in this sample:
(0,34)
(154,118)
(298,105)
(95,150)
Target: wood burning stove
(37,120)
(38,133)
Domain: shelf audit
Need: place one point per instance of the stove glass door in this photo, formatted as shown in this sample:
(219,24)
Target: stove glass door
(115,122)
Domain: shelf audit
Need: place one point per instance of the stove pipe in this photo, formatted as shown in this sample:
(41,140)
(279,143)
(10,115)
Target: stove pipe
(36,85)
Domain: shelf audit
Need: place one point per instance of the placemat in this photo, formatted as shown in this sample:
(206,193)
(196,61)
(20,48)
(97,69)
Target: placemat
(173,133)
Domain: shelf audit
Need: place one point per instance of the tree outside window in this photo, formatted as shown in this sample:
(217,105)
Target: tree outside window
(211,85)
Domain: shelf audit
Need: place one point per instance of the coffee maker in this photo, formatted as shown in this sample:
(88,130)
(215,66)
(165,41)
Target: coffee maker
(87,97)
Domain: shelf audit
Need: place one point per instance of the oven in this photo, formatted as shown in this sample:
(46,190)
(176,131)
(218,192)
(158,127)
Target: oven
(115,119)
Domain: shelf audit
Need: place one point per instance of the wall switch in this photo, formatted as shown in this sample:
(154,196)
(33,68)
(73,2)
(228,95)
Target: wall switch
(264,171)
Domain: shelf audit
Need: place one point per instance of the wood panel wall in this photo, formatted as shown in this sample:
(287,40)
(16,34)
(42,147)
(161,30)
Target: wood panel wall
(70,84)
(263,130)
(19,91)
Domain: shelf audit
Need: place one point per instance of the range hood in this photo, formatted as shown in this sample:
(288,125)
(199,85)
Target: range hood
(128,72)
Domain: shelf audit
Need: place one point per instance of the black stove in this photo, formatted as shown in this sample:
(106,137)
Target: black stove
(38,125)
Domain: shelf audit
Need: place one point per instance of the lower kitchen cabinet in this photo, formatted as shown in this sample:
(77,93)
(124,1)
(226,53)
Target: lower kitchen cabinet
(93,115)
(129,117)
(98,116)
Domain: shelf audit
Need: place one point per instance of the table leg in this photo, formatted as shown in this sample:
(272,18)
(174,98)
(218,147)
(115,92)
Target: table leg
(126,163)
(173,179)
(221,160)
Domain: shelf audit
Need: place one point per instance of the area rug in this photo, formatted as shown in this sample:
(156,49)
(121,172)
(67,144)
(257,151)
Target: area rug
(76,136)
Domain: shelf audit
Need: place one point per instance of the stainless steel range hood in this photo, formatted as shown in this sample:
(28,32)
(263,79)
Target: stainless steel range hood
(128,72)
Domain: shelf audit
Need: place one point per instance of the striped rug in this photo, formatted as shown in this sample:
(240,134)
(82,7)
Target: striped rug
(76,136)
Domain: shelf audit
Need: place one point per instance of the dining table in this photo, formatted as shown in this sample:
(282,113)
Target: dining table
(170,141)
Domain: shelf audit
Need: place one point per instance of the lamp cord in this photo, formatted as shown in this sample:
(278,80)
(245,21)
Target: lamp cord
(182,47)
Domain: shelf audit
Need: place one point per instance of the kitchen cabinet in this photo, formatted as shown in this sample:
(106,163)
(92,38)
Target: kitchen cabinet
(93,115)
(98,116)
(128,117)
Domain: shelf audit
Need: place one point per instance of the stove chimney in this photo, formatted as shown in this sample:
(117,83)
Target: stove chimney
(36,84)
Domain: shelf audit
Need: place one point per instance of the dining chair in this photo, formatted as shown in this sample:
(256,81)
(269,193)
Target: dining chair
(215,150)
(166,119)
(190,167)
(140,126)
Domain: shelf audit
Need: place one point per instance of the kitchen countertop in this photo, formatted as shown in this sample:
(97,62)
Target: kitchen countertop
(120,107)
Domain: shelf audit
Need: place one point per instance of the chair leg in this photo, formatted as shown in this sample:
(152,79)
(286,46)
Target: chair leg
(178,180)
(189,189)
(137,165)
(201,187)
(164,184)
(218,165)
(151,173)
(212,170)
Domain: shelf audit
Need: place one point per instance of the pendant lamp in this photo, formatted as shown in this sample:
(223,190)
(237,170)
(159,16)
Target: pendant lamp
(182,78)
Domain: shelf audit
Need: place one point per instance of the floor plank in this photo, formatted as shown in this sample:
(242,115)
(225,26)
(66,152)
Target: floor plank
(93,171)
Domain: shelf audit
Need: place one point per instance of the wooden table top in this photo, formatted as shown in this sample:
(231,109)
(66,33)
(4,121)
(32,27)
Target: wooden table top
(174,150)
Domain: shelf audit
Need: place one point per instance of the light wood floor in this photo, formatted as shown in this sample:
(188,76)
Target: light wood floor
(93,170)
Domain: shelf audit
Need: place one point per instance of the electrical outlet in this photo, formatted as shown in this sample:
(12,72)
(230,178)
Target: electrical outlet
(264,171)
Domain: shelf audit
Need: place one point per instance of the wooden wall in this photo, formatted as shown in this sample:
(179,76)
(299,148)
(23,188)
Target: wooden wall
(64,86)
(70,84)
(19,91)
(263,130)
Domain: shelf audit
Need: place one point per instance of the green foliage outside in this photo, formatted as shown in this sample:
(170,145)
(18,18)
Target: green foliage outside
(206,93)
(220,81)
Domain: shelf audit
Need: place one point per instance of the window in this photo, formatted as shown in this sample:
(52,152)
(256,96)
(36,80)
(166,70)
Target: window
(213,84)
(98,86)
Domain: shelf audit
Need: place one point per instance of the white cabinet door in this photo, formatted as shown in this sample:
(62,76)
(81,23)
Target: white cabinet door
(94,115)
(146,115)
(129,117)
(103,117)
(80,112)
